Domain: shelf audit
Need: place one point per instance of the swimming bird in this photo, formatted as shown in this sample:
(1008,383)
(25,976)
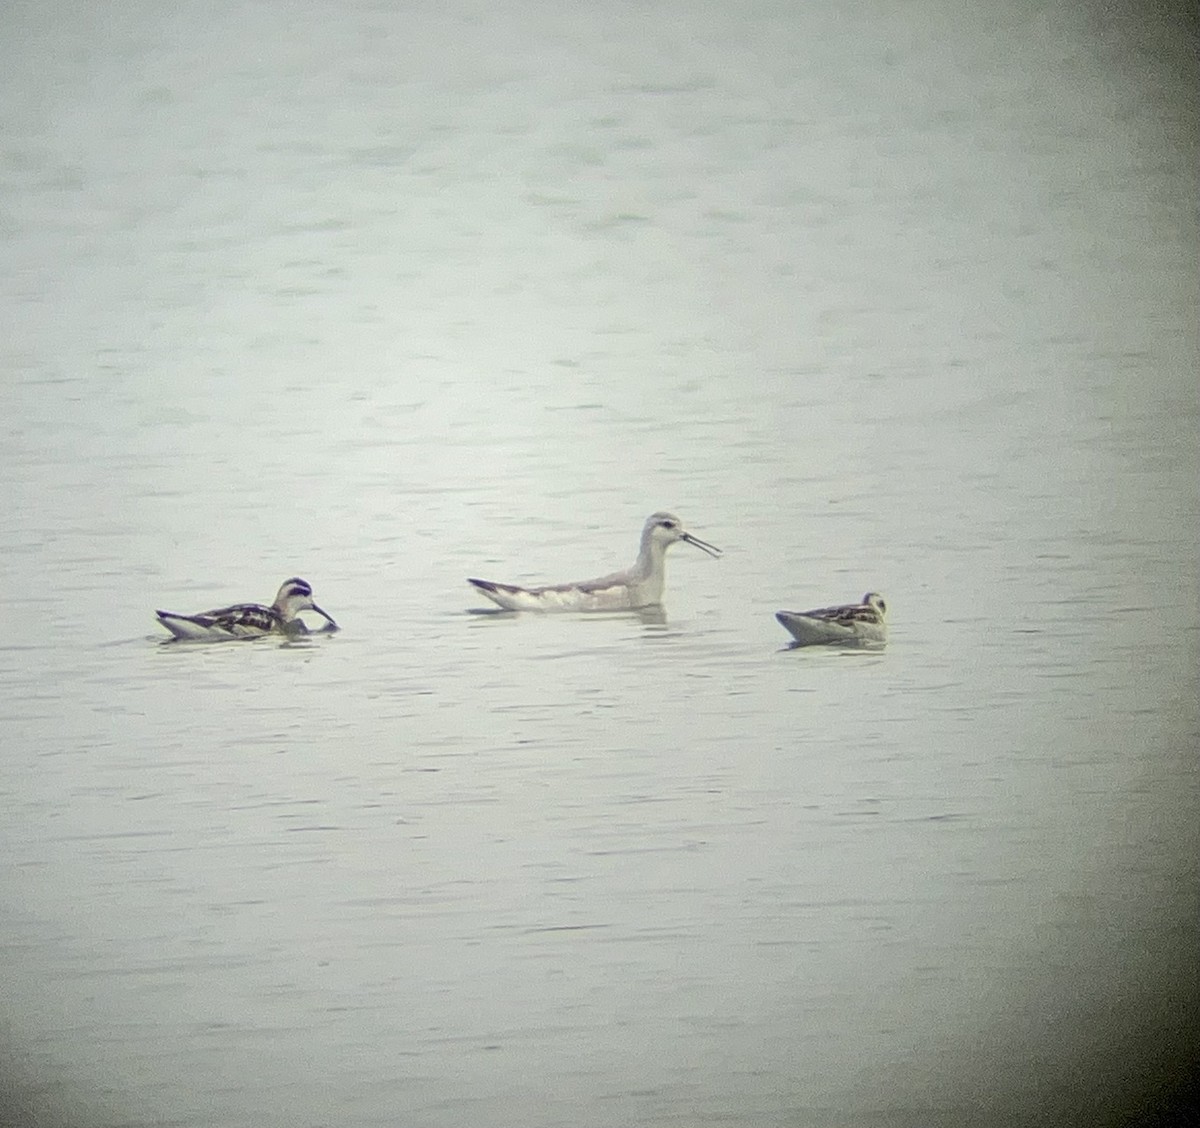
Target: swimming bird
(640,585)
(863,622)
(248,620)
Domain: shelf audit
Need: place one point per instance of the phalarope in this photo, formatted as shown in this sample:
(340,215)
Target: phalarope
(852,622)
(638,586)
(248,620)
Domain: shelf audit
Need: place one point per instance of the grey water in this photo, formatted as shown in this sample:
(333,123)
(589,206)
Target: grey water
(876,297)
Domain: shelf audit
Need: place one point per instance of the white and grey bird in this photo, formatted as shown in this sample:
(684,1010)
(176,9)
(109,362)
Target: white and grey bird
(864,622)
(248,620)
(640,585)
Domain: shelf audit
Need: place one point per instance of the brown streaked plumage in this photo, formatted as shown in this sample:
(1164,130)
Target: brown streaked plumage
(864,622)
(247,620)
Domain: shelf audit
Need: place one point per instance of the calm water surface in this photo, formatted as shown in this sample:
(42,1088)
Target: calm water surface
(876,298)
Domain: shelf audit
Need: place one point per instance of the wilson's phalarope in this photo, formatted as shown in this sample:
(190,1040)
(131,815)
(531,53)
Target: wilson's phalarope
(638,586)
(248,620)
(863,622)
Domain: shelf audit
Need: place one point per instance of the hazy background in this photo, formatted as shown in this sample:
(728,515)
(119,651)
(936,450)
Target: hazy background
(891,296)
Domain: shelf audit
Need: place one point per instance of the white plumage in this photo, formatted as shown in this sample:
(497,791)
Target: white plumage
(640,585)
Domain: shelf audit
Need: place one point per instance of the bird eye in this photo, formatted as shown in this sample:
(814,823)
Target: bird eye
(667,524)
